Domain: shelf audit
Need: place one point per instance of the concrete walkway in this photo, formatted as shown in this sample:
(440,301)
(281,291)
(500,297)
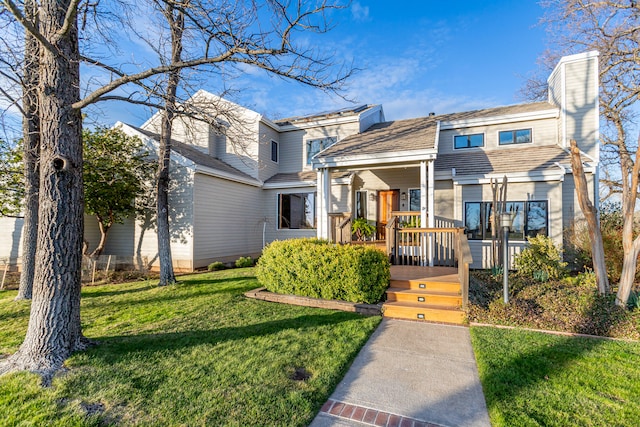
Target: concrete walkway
(410,374)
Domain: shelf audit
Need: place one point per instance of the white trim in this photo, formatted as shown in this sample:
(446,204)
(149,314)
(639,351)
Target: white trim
(375,159)
(453,142)
(573,58)
(563,105)
(505,118)
(293,184)
(514,143)
(436,143)
(355,118)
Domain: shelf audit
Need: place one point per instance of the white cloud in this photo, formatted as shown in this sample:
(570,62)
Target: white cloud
(360,13)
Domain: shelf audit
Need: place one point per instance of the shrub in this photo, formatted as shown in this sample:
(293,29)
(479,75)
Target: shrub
(318,269)
(541,260)
(361,228)
(244,261)
(215,266)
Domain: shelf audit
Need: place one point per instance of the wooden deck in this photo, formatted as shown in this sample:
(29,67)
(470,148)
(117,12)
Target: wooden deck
(436,274)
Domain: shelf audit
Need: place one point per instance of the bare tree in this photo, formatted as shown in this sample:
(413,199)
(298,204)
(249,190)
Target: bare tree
(31,155)
(264,38)
(613,29)
(591,216)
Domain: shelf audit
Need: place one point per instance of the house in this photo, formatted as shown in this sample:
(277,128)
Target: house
(240,180)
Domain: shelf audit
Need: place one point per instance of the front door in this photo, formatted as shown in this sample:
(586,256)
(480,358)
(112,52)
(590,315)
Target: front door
(388,201)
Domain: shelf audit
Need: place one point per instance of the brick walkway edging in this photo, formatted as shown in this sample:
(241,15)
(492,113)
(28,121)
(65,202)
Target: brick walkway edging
(370,416)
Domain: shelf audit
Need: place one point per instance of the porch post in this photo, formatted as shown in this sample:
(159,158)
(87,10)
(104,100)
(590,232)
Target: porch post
(424,214)
(319,202)
(431,207)
(323,190)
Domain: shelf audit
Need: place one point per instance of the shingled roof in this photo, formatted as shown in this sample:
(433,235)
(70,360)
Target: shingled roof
(502,161)
(302,177)
(197,156)
(416,134)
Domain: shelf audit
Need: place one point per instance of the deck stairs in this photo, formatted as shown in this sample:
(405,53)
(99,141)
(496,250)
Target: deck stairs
(431,294)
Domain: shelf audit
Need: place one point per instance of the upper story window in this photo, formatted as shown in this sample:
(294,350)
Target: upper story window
(468,141)
(314,146)
(274,151)
(520,136)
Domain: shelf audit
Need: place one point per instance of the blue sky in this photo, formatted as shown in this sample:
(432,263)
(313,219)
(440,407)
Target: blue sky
(415,57)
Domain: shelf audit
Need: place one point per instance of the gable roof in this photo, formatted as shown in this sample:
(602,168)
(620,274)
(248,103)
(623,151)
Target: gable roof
(343,112)
(421,133)
(198,157)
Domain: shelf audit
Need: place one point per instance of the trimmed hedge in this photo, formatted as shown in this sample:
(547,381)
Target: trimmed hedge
(316,268)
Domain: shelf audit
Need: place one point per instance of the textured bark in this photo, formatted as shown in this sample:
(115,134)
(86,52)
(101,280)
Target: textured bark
(175,19)
(31,146)
(590,214)
(54,324)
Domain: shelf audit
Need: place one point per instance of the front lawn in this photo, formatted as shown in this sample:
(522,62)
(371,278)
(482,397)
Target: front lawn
(535,379)
(196,353)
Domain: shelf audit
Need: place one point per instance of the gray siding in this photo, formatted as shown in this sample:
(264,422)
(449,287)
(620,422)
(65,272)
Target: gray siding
(228,220)
(268,168)
(293,144)
(543,132)
(581,104)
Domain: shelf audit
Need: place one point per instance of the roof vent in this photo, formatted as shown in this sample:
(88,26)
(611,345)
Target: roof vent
(432,114)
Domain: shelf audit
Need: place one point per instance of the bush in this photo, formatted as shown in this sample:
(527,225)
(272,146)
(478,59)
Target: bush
(244,261)
(541,260)
(215,266)
(362,229)
(318,269)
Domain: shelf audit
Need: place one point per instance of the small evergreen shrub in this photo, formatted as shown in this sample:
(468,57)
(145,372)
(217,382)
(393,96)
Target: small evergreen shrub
(215,266)
(318,269)
(541,260)
(244,261)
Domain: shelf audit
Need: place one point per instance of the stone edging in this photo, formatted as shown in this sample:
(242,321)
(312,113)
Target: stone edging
(366,309)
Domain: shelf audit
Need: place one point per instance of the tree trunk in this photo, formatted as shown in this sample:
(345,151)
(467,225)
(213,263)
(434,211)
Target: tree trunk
(590,214)
(54,330)
(31,146)
(104,230)
(176,24)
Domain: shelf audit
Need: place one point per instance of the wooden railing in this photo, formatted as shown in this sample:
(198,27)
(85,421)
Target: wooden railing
(341,226)
(408,244)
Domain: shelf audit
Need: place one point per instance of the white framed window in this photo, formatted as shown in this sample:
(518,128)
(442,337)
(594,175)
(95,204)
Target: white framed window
(361,204)
(296,211)
(528,219)
(414,199)
(468,141)
(314,146)
(274,151)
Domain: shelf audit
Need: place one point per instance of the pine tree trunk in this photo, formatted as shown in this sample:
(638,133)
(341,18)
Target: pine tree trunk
(31,145)
(54,330)
(176,24)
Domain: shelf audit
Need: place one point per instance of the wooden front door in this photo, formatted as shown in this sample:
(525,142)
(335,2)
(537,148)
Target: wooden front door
(387,201)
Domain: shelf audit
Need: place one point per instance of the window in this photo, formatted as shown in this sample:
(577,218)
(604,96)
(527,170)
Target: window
(468,141)
(296,211)
(527,219)
(274,151)
(520,136)
(414,199)
(361,204)
(314,146)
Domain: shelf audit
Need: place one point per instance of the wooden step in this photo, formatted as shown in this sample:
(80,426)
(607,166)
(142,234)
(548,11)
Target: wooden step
(432,313)
(426,285)
(420,297)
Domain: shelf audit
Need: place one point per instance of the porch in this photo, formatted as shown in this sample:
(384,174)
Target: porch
(429,267)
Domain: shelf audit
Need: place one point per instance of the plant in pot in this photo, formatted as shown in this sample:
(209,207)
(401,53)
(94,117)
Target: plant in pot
(361,228)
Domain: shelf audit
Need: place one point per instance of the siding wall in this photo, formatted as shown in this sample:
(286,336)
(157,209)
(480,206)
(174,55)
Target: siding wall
(582,104)
(180,223)
(293,144)
(549,191)
(10,240)
(228,219)
(267,167)
(543,132)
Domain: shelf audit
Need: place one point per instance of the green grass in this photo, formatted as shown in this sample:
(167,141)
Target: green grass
(537,379)
(196,353)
